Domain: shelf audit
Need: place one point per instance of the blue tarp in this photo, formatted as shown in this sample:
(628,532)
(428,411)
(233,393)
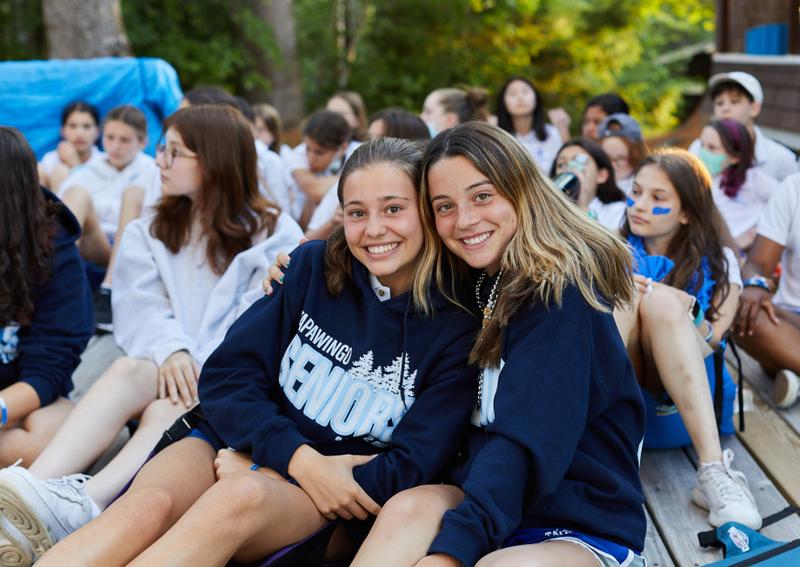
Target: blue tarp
(33,93)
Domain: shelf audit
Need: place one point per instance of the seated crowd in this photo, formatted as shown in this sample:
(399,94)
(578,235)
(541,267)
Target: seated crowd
(399,343)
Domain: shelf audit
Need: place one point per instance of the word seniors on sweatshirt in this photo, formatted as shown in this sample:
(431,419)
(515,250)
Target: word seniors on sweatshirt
(361,401)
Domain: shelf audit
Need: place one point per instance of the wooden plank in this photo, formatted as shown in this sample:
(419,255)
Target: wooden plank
(768,497)
(755,376)
(776,447)
(667,479)
(654,549)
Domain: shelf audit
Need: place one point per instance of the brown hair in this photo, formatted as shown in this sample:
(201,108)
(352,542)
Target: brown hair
(28,225)
(468,103)
(356,104)
(698,238)
(229,206)
(130,115)
(555,243)
(402,154)
(272,120)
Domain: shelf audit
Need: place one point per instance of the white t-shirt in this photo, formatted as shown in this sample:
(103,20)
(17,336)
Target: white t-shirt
(106,184)
(774,159)
(543,151)
(610,215)
(741,213)
(50,160)
(275,181)
(326,208)
(780,222)
(626,184)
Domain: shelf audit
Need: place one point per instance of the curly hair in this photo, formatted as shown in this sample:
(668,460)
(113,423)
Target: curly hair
(29,224)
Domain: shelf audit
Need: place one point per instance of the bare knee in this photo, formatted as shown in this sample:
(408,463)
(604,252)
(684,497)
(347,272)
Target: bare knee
(661,307)
(420,504)
(152,505)
(243,494)
(161,413)
(126,374)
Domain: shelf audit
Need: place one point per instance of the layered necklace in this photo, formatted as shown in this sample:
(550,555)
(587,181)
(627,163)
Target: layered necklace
(487,309)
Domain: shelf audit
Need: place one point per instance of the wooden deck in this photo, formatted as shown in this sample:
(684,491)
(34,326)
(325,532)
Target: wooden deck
(768,452)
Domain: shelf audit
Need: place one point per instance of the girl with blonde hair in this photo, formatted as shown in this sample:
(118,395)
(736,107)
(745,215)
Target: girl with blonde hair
(559,413)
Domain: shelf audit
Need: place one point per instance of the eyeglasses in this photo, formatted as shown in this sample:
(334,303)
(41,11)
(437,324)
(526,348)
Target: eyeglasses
(168,155)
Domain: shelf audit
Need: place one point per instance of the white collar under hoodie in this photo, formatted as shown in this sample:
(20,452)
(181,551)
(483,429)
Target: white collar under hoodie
(165,302)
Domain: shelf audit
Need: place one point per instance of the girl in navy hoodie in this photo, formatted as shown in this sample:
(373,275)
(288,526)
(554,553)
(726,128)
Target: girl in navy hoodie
(551,476)
(340,388)
(45,305)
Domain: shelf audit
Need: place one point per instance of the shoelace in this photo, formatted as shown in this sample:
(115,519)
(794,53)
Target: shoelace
(726,480)
(69,487)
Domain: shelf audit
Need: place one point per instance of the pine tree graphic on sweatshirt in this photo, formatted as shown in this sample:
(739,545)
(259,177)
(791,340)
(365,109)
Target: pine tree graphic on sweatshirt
(386,378)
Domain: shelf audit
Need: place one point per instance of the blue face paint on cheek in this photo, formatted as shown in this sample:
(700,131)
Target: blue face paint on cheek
(661,210)
(630,202)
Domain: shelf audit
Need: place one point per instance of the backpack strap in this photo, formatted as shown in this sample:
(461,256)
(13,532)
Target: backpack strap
(740,392)
(709,538)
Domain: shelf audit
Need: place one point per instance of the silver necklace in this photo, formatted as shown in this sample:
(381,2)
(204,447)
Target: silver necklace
(487,311)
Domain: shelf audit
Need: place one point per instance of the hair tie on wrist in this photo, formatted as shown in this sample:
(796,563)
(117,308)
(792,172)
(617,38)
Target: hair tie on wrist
(254,467)
(3,412)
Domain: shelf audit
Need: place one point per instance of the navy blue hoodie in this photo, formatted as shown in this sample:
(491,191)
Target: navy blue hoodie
(560,429)
(45,353)
(338,373)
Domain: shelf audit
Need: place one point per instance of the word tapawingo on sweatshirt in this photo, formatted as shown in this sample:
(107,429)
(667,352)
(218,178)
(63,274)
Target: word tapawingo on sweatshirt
(558,436)
(345,374)
(45,353)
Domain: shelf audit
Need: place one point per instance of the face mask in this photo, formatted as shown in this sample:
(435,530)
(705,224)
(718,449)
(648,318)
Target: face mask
(714,163)
(431,129)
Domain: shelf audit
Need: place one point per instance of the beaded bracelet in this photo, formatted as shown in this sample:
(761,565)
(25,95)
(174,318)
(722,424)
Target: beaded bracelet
(758,281)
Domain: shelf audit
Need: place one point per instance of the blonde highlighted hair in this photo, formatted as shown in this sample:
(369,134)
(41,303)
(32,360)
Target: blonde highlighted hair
(555,244)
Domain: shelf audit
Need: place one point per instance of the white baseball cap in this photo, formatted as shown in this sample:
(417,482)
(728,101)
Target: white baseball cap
(747,81)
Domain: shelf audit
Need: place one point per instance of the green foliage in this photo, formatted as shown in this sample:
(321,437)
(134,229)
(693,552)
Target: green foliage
(21,30)
(207,41)
(571,49)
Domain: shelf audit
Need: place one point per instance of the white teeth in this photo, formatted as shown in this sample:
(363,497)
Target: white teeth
(477,239)
(382,249)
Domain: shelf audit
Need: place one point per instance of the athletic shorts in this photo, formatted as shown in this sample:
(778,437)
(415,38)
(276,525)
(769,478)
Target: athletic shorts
(607,553)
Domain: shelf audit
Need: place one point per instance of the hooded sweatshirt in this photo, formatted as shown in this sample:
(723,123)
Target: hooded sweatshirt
(44,353)
(165,302)
(557,437)
(345,374)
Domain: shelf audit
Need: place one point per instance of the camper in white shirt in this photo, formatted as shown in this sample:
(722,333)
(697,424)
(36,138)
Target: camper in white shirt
(180,282)
(739,96)
(80,129)
(768,321)
(599,195)
(741,189)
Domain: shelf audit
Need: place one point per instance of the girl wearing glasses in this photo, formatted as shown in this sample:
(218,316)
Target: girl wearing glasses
(183,276)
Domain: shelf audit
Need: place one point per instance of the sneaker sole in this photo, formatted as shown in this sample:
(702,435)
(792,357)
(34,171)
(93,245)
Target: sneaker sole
(13,555)
(700,501)
(20,515)
(786,389)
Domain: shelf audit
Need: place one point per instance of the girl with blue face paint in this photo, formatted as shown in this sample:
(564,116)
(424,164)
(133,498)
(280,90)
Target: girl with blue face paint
(688,288)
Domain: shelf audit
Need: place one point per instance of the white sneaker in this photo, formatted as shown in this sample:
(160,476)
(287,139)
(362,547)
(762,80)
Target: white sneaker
(44,511)
(15,551)
(787,387)
(725,494)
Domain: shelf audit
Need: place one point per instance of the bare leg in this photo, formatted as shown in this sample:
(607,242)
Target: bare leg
(131,209)
(671,343)
(406,526)
(775,347)
(245,516)
(550,553)
(123,392)
(164,489)
(34,433)
(93,243)
(157,417)
(57,176)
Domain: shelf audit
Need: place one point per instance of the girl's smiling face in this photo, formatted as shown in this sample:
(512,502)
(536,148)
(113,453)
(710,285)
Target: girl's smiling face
(474,220)
(382,225)
(654,207)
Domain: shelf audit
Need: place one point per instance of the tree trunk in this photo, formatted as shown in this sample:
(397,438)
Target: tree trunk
(84,28)
(286,93)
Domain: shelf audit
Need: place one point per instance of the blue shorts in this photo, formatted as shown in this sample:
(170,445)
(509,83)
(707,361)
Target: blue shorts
(607,552)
